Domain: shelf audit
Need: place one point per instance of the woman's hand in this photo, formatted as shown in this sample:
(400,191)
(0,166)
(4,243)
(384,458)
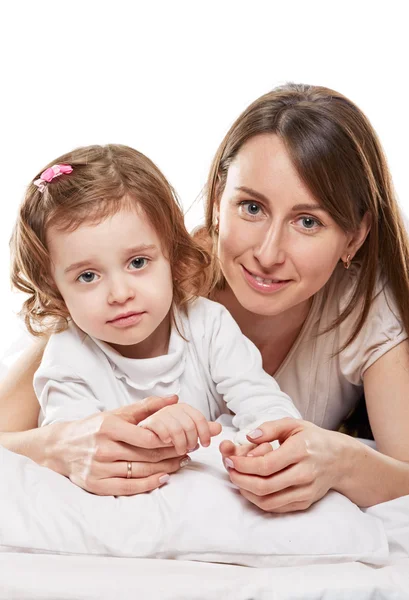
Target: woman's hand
(297,474)
(94,452)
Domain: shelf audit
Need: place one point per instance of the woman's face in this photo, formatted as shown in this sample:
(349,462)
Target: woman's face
(277,245)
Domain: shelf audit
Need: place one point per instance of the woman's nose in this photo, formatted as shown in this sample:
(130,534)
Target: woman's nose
(270,250)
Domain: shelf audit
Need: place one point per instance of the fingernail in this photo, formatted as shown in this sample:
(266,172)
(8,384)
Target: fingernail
(164,479)
(250,454)
(185,461)
(255,434)
(229,463)
(195,448)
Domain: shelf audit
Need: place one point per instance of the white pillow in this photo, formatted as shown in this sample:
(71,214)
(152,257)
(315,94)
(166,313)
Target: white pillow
(198,515)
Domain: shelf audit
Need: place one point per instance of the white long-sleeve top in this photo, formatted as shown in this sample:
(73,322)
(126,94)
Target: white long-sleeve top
(216,371)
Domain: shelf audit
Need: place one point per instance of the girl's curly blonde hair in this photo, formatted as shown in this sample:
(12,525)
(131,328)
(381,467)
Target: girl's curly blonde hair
(104,180)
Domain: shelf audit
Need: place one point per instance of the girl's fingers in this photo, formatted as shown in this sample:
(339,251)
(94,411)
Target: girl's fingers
(159,426)
(227,448)
(138,411)
(115,428)
(214,428)
(261,450)
(189,426)
(177,433)
(201,424)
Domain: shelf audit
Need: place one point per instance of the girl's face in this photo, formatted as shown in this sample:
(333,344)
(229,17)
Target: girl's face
(277,245)
(115,281)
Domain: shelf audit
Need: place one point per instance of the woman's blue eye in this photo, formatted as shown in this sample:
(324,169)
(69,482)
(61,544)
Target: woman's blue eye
(139,262)
(87,277)
(252,208)
(309,222)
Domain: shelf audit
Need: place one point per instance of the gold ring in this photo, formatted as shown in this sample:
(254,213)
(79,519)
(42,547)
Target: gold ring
(129,470)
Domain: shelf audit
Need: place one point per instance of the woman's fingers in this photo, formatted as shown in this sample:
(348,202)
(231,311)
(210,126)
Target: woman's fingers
(289,500)
(276,430)
(121,486)
(144,469)
(111,451)
(294,476)
(291,452)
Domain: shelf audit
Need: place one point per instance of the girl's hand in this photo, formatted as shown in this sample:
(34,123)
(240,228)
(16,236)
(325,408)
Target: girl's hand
(182,426)
(94,452)
(297,474)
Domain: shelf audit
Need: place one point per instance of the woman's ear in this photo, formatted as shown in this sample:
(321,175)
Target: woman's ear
(216,215)
(358,238)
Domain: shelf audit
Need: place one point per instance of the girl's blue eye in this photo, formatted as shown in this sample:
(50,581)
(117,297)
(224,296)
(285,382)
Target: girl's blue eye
(87,277)
(139,262)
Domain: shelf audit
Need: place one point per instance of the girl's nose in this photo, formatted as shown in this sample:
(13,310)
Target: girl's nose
(120,291)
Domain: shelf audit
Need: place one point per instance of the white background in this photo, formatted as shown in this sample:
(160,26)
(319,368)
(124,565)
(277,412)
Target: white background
(170,77)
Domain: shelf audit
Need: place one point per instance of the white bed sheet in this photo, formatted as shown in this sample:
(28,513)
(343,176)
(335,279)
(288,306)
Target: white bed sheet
(51,577)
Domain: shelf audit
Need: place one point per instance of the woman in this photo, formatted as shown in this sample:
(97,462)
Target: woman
(311,259)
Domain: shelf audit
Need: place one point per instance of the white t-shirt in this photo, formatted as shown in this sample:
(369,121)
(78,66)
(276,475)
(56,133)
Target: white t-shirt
(325,386)
(216,371)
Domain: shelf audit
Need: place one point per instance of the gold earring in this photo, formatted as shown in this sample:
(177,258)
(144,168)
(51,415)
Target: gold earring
(348,261)
(216,225)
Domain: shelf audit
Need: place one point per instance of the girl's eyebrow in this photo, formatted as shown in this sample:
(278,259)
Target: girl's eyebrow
(140,248)
(134,250)
(259,196)
(77,265)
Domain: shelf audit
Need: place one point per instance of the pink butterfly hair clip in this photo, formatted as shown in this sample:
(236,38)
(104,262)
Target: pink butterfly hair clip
(50,174)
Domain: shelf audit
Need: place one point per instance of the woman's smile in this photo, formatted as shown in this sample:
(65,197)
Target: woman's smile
(264,284)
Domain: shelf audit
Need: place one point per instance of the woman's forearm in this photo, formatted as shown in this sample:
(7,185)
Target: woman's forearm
(368,477)
(34,443)
(19,407)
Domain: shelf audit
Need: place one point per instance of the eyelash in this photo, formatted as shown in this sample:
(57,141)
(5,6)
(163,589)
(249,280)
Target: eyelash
(317,221)
(252,202)
(244,203)
(92,272)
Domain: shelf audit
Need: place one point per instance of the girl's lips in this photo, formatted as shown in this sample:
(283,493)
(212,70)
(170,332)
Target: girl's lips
(264,286)
(127,321)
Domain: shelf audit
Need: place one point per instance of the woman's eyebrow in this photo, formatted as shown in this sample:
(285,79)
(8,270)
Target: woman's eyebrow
(259,196)
(308,207)
(251,192)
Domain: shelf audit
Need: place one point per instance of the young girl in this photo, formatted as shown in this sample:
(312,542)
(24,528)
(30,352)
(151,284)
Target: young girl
(101,248)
